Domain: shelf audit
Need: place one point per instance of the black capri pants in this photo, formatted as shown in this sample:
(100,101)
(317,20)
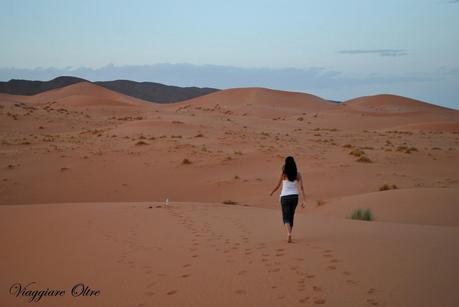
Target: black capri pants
(288,203)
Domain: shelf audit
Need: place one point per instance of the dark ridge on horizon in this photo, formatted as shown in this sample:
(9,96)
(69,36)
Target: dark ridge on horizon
(155,92)
(29,88)
(149,91)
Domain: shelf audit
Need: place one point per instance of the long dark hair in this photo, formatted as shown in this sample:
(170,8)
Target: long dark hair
(289,168)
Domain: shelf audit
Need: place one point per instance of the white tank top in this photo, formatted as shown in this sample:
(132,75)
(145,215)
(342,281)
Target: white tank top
(288,187)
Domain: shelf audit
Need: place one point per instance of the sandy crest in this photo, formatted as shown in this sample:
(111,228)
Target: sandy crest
(422,206)
(87,94)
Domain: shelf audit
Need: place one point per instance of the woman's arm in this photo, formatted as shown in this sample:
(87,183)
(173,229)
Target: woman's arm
(300,184)
(278,184)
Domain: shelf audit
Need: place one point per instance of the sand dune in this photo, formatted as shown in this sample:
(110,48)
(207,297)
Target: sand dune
(388,112)
(221,145)
(445,126)
(429,206)
(81,166)
(10,99)
(194,254)
(84,94)
(262,96)
(257,101)
(391,103)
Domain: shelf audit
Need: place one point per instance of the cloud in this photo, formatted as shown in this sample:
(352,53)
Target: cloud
(218,76)
(381,52)
(454,1)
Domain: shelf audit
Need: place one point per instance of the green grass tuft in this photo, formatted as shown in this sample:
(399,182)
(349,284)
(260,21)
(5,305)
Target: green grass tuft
(362,214)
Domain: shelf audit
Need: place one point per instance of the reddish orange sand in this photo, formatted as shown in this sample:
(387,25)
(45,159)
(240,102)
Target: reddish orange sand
(81,166)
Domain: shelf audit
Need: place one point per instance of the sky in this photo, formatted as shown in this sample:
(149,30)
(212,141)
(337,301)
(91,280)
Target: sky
(331,48)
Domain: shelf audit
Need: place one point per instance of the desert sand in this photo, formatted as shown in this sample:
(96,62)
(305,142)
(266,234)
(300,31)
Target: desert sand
(85,173)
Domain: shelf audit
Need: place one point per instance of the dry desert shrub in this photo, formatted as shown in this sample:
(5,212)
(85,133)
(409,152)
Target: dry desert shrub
(14,116)
(48,138)
(230,202)
(347,146)
(364,159)
(130,118)
(387,187)
(357,152)
(186,161)
(406,149)
(140,143)
(320,203)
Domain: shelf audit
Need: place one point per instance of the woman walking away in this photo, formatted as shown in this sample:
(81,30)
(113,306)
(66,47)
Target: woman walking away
(291,180)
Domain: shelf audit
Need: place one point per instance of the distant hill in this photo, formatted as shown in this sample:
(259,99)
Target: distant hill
(262,101)
(153,92)
(28,88)
(391,103)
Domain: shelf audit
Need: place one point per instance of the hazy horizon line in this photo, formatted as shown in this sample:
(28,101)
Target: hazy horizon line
(320,81)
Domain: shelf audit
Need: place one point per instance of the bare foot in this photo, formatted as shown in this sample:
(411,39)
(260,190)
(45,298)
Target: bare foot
(289,240)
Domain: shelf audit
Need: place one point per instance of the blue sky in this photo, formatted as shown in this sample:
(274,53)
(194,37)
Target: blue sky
(332,48)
